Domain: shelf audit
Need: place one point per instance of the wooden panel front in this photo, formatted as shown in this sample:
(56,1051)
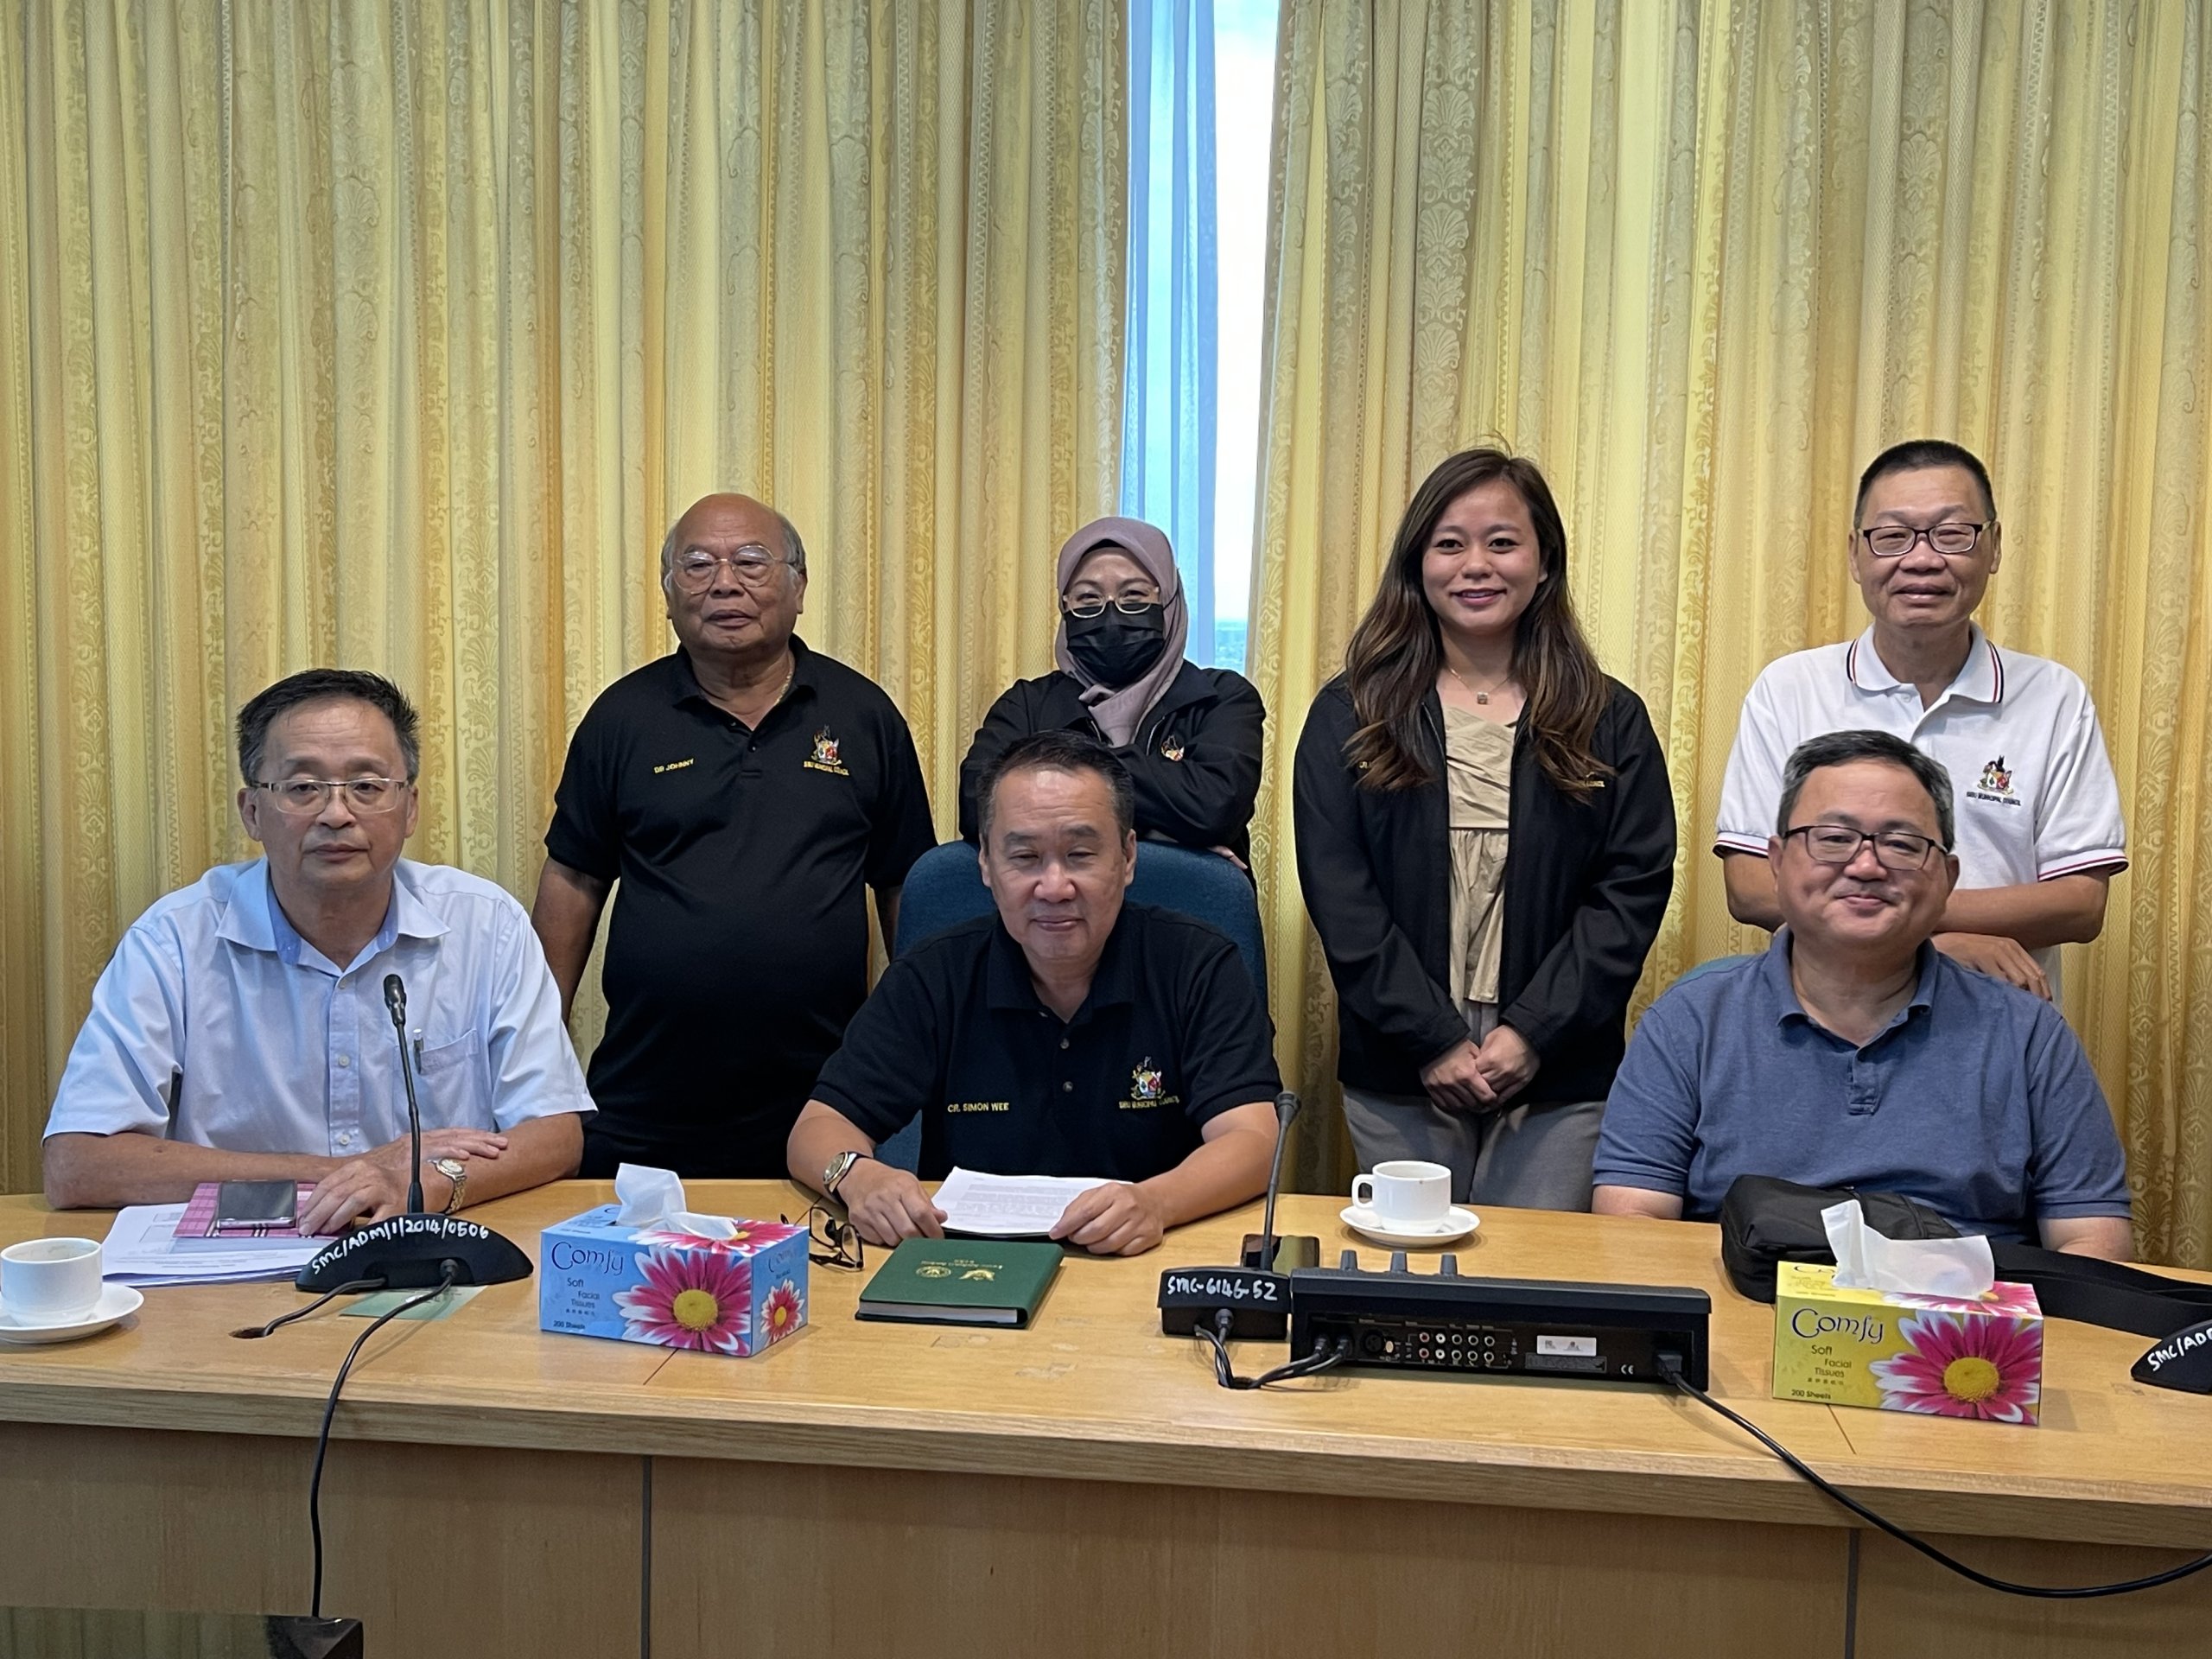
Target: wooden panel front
(1910,1608)
(441,1553)
(795,1562)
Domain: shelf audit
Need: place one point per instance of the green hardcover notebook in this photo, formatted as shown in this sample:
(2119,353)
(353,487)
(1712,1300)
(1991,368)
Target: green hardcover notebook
(961,1282)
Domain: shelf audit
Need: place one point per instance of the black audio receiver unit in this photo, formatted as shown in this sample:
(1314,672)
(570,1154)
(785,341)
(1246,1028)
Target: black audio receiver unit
(1532,1327)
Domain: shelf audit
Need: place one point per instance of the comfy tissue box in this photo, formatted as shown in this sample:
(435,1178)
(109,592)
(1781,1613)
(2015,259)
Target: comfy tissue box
(1940,1356)
(600,1277)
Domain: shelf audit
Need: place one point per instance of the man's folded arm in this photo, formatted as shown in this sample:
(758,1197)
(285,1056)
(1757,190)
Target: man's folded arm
(1228,1166)
(820,1132)
(538,1150)
(1636,1201)
(105,1171)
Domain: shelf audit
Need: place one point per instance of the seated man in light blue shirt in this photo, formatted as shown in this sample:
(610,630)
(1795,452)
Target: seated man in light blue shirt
(240,1032)
(1852,1053)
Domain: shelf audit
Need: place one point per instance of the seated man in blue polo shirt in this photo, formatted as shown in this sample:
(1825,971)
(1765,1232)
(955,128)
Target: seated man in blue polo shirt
(1852,1053)
(241,1030)
(1068,1035)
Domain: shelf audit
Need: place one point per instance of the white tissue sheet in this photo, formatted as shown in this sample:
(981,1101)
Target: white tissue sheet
(654,1197)
(1865,1260)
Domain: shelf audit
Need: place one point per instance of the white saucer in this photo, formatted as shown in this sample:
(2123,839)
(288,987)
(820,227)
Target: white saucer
(116,1302)
(1457,1224)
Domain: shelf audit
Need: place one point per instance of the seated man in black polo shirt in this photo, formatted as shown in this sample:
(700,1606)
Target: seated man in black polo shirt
(1069,1034)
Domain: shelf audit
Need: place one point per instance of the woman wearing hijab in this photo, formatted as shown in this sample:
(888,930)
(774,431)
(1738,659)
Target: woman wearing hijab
(1189,735)
(1486,845)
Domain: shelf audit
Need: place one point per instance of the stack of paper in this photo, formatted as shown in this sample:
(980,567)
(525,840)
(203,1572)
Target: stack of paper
(1008,1206)
(143,1249)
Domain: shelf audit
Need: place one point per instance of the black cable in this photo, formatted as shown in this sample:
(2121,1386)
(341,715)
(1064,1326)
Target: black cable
(281,1320)
(1671,1366)
(1224,1371)
(330,1410)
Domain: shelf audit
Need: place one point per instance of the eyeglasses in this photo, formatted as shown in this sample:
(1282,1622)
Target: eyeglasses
(839,1240)
(301,797)
(1895,540)
(1088,609)
(1834,843)
(751,565)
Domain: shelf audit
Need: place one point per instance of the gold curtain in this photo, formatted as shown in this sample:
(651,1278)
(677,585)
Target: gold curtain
(1702,261)
(392,336)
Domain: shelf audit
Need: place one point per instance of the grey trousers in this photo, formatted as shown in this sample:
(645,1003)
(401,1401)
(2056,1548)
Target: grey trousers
(1523,1158)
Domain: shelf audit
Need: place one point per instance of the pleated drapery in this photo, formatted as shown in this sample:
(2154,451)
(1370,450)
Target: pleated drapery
(392,336)
(1701,262)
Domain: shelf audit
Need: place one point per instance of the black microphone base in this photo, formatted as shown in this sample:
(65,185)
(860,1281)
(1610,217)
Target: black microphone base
(412,1252)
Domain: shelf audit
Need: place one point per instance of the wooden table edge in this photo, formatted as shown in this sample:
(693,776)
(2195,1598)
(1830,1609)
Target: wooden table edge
(1542,1476)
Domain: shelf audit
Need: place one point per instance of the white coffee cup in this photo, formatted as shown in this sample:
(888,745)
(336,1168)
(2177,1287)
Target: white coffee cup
(1407,1191)
(50,1281)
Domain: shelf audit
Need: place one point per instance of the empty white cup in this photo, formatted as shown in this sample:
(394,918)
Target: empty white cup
(50,1281)
(1407,1191)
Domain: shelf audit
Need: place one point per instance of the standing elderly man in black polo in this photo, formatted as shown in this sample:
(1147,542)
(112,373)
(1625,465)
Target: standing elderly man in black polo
(735,795)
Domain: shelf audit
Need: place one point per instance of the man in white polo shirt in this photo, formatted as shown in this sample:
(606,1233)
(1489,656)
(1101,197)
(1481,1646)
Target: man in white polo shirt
(2039,829)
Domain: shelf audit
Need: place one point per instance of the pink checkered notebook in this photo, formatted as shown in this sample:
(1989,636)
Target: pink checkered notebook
(197,1224)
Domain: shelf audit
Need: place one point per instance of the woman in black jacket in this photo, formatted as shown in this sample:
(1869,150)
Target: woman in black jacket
(1189,735)
(1486,845)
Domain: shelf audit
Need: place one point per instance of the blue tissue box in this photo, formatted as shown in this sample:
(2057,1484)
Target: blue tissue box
(597,1277)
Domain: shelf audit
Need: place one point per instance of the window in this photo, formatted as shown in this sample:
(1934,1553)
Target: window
(1198,160)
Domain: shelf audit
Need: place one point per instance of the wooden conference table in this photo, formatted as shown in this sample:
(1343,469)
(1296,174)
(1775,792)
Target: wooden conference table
(1080,1488)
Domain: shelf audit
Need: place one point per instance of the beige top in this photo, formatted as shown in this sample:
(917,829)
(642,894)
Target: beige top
(1479,775)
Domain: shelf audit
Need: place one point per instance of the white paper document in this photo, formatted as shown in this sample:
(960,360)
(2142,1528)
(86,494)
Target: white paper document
(1008,1206)
(141,1249)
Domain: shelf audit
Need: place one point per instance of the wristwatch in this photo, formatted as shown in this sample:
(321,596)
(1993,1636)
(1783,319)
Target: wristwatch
(457,1170)
(839,1168)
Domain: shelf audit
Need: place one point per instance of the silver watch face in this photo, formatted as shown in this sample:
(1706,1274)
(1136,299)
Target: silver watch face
(452,1168)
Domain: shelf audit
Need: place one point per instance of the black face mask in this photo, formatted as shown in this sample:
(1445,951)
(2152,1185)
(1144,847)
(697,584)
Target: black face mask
(1116,648)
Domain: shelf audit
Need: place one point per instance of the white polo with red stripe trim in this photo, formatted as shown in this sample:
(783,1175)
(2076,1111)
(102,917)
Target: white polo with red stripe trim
(2031,783)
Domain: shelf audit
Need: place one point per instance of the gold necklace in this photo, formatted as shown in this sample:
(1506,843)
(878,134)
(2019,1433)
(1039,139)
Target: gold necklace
(1483,695)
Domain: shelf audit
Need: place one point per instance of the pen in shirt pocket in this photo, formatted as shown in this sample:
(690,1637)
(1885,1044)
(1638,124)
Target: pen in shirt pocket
(416,1036)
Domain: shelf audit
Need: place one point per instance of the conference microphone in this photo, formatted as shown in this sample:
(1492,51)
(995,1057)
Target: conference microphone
(1255,1295)
(1286,1109)
(414,1250)
(395,1000)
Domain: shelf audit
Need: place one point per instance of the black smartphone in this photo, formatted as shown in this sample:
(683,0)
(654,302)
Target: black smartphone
(1291,1250)
(256,1204)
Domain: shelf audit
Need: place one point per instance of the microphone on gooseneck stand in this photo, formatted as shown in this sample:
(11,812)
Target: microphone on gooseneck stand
(1251,1300)
(1264,1258)
(414,1250)
(395,998)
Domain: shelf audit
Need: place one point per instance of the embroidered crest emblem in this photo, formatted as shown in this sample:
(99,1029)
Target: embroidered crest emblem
(1145,1080)
(1171,748)
(825,757)
(1996,777)
(933,1270)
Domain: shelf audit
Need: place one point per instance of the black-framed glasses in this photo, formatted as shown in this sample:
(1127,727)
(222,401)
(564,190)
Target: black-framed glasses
(303,797)
(1895,540)
(839,1241)
(1836,843)
(752,565)
(1087,608)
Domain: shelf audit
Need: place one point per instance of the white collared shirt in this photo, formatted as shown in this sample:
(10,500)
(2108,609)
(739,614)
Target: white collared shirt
(2033,787)
(216,1023)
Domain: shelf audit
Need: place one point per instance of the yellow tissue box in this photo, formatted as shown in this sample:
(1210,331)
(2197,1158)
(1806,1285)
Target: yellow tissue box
(1935,1355)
